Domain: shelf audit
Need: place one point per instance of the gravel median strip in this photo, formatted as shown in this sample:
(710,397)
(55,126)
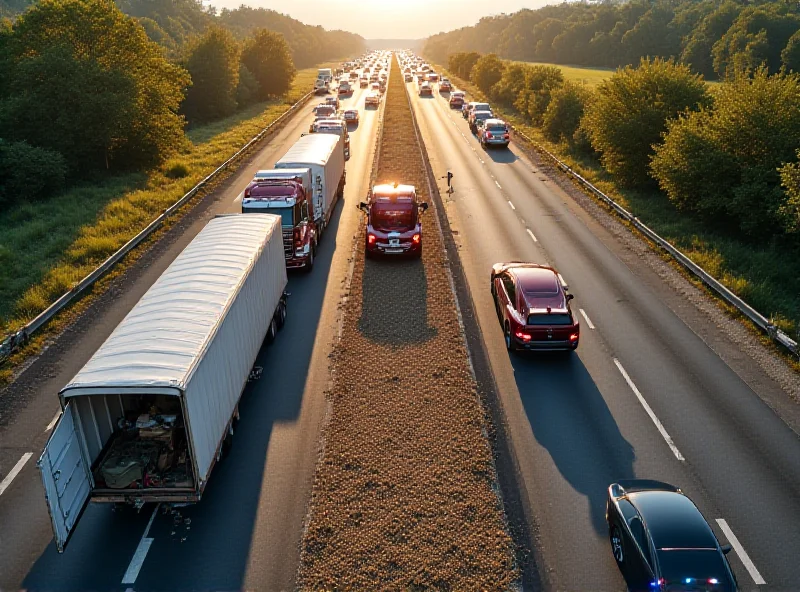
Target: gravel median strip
(405,494)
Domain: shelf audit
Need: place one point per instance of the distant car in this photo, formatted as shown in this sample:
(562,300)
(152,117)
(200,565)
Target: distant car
(363,83)
(425,89)
(433,77)
(324,110)
(373,98)
(333,101)
(466,108)
(351,115)
(661,542)
(445,86)
(532,304)
(494,132)
(353,74)
(476,119)
(456,100)
(408,78)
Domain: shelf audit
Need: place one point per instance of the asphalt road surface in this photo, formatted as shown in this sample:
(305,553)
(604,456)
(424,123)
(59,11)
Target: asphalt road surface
(579,422)
(246,531)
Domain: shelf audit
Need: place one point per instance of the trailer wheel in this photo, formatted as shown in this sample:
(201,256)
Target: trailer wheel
(280,315)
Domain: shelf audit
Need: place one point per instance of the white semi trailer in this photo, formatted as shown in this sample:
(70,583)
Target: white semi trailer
(151,412)
(323,155)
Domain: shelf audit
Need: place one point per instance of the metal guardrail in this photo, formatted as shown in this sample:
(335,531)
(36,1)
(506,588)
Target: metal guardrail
(757,318)
(18,339)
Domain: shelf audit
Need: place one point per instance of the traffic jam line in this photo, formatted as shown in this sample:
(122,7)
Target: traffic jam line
(141,552)
(652,415)
(4,484)
(743,556)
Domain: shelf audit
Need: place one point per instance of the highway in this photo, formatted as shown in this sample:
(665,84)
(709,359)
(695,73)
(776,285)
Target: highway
(657,388)
(246,531)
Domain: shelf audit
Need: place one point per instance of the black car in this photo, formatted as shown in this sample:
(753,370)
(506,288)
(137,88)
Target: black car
(661,542)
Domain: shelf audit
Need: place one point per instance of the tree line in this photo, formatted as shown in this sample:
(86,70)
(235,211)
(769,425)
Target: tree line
(728,154)
(716,38)
(84,88)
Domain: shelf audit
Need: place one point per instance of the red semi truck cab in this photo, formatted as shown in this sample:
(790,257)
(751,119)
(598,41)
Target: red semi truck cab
(288,199)
(394,224)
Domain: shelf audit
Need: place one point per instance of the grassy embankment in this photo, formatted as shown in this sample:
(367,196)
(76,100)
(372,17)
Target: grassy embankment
(46,247)
(765,274)
(403,496)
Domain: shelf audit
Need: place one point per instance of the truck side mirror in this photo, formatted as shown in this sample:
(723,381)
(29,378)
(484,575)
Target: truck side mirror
(423,206)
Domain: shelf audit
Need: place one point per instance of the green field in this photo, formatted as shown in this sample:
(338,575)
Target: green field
(589,76)
(47,247)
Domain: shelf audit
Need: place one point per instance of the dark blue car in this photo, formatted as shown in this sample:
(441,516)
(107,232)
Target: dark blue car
(662,543)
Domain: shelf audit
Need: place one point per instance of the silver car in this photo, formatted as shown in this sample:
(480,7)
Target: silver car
(494,132)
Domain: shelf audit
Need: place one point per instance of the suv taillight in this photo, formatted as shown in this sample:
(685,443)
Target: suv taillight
(489,135)
(371,239)
(247,192)
(416,238)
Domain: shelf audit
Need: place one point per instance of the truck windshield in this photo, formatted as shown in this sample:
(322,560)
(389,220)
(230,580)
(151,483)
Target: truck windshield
(286,213)
(389,217)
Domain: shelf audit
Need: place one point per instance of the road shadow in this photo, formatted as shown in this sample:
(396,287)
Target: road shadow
(570,418)
(352,126)
(394,302)
(501,155)
(215,536)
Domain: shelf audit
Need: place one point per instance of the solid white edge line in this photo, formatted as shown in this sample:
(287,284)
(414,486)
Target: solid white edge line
(498,185)
(512,205)
(53,421)
(14,472)
(743,556)
(533,236)
(588,320)
(141,552)
(649,411)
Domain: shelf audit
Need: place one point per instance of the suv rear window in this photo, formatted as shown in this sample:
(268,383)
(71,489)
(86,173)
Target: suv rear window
(496,128)
(549,319)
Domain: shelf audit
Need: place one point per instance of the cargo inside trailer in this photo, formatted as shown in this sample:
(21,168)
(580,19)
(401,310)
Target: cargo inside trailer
(137,441)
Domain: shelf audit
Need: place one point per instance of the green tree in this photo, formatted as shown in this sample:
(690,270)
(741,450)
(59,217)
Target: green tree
(213,63)
(790,180)
(461,63)
(723,163)
(790,56)
(510,84)
(487,72)
(248,89)
(699,42)
(540,82)
(565,111)
(28,172)
(266,54)
(631,112)
(87,83)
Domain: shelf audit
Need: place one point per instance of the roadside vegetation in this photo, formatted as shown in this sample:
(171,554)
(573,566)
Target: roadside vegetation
(404,493)
(712,169)
(714,38)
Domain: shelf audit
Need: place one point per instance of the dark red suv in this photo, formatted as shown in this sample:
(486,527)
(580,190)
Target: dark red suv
(532,304)
(393,221)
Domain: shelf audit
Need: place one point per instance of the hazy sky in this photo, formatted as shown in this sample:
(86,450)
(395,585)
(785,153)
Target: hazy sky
(388,19)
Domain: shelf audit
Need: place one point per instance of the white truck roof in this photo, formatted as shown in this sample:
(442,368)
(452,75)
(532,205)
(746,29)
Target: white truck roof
(312,149)
(158,343)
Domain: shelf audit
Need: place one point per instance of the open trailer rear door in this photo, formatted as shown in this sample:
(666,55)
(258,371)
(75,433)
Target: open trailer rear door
(66,478)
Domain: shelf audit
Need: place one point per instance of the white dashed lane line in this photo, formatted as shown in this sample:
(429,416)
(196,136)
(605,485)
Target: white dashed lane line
(498,185)
(533,236)
(512,205)
(141,552)
(650,412)
(588,320)
(4,484)
(53,421)
(743,556)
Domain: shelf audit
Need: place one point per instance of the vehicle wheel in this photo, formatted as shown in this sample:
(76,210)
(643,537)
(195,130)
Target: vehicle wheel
(280,315)
(615,536)
(272,331)
(310,263)
(227,443)
(509,342)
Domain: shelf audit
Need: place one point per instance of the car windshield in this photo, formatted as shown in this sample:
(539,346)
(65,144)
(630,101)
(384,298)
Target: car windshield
(693,570)
(482,115)
(549,319)
(392,216)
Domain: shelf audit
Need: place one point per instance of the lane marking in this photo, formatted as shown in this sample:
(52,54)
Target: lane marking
(53,421)
(533,236)
(481,161)
(141,552)
(14,472)
(737,546)
(498,185)
(588,320)
(652,415)
(512,205)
